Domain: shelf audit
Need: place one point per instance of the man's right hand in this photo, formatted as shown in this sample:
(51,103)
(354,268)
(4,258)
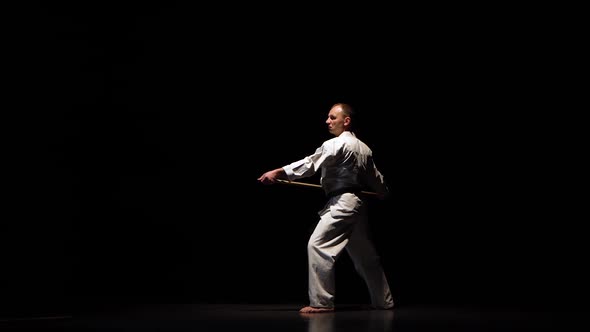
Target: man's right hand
(271,177)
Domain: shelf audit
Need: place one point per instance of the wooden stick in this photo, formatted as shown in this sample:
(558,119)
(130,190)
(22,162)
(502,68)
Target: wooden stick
(304,184)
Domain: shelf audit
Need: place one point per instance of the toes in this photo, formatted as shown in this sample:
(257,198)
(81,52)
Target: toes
(310,309)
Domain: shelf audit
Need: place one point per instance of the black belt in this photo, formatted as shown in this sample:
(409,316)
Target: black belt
(341,191)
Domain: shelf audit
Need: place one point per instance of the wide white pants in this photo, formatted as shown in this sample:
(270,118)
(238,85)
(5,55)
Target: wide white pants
(343,225)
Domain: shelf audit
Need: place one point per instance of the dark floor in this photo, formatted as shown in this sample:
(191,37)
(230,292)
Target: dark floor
(285,317)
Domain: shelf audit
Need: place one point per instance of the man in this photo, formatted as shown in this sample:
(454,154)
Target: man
(347,168)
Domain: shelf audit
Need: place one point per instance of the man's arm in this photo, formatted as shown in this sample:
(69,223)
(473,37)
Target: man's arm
(303,168)
(377,181)
(271,177)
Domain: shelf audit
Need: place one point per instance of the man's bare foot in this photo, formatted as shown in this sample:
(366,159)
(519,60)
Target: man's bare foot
(315,310)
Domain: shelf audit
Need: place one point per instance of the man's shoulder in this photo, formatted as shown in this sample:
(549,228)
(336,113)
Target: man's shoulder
(355,139)
(332,140)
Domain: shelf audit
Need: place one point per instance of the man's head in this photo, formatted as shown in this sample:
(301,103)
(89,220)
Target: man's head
(339,118)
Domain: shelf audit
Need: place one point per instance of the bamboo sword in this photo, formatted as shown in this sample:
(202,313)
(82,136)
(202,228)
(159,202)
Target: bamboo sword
(304,184)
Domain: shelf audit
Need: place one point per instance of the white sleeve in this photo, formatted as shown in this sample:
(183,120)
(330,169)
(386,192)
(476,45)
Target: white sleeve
(309,165)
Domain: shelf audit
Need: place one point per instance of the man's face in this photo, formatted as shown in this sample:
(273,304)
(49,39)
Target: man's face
(336,121)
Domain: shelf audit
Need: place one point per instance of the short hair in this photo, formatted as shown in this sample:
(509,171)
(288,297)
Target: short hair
(347,109)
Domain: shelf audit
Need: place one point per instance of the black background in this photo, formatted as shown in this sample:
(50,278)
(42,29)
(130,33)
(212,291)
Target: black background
(141,130)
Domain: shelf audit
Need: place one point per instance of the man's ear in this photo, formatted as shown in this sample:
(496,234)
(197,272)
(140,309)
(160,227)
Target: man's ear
(347,121)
